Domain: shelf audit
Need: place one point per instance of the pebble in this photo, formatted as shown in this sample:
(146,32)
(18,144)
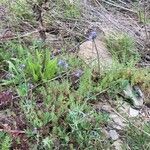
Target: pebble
(147,57)
(133,112)
(113,135)
(117,145)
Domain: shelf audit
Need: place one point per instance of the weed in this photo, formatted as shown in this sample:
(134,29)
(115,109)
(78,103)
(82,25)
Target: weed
(84,126)
(22,89)
(28,108)
(15,71)
(5,141)
(12,50)
(40,68)
(86,85)
(143,18)
(21,9)
(47,143)
(21,63)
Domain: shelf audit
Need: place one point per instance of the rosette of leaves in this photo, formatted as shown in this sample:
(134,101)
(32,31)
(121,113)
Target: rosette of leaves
(40,66)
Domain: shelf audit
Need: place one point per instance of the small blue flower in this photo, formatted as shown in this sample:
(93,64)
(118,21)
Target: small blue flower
(92,35)
(59,50)
(78,73)
(62,63)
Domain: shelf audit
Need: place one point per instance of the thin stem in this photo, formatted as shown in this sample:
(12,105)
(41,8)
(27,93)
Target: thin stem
(98,57)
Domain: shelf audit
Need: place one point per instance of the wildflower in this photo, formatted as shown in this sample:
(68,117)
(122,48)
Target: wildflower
(78,73)
(59,50)
(92,35)
(62,63)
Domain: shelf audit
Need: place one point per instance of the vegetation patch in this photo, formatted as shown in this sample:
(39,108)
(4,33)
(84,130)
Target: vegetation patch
(48,95)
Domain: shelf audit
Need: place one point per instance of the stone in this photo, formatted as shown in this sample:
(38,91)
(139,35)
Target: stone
(113,135)
(117,120)
(135,95)
(133,112)
(107,108)
(117,145)
(88,52)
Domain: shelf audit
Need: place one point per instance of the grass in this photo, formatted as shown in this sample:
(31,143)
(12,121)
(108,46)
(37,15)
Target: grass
(137,140)
(5,141)
(52,105)
(122,48)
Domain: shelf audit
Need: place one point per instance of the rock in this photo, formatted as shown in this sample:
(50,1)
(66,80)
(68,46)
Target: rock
(88,52)
(119,122)
(106,108)
(147,57)
(135,94)
(133,112)
(113,135)
(115,126)
(117,145)
(125,108)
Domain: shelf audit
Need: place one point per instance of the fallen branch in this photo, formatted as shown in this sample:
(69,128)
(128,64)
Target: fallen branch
(3,38)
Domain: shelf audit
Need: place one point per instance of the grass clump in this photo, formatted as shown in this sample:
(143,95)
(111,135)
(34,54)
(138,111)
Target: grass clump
(5,141)
(137,140)
(40,67)
(71,10)
(19,14)
(22,10)
(27,63)
(122,48)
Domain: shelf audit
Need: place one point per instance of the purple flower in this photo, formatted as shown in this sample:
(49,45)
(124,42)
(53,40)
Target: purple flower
(59,50)
(62,63)
(92,35)
(78,73)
